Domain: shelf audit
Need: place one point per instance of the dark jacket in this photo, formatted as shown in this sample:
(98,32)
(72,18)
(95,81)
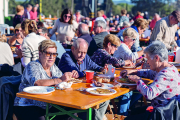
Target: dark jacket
(92,44)
(68,64)
(99,38)
(8,89)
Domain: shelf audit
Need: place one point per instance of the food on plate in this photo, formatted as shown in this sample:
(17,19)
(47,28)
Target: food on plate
(103,79)
(98,84)
(75,80)
(125,80)
(101,91)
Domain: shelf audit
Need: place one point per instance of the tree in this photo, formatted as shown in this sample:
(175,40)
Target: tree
(163,7)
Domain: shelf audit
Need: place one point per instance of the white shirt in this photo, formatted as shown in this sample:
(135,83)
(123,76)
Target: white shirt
(125,53)
(64,29)
(6,55)
(29,47)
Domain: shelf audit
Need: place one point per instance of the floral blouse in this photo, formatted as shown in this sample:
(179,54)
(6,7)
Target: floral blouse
(166,85)
(33,72)
(102,57)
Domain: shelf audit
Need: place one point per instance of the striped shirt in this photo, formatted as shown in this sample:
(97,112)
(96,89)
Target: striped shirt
(30,48)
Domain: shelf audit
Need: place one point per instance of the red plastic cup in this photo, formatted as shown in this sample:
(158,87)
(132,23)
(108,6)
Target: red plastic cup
(18,46)
(170,58)
(89,76)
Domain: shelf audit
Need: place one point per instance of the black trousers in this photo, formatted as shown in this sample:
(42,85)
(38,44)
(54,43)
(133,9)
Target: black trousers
(37,113)
(139,113)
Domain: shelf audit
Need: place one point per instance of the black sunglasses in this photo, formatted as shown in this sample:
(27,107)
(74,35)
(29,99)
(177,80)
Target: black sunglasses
(67,16)
(114,45)
(48,54)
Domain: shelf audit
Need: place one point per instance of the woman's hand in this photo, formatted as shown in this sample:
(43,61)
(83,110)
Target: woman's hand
(134,78)
(66,76)
(75,74)
(124,73)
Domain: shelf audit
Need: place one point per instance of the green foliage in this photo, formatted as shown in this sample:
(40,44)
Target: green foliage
(162,7)
(117,8)
(48,6)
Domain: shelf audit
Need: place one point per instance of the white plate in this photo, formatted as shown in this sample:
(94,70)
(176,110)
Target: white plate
(106,85)
(128,66)
(175,63)
(89,90)
(39,90)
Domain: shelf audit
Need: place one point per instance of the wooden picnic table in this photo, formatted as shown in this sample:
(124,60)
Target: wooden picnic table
(73,99)
(51,18)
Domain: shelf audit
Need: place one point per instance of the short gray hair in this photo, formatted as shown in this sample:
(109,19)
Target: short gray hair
(82,31)
(78,41)
(28,6)
(157,48)
(101,23)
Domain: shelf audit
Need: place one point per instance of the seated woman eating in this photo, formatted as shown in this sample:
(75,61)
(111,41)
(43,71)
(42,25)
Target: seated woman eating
(124,50)
(42,72)
(103,56)
(166,85)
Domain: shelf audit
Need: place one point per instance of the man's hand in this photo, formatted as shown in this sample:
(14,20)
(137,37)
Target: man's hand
(66,76)
(75,74)
(134,78)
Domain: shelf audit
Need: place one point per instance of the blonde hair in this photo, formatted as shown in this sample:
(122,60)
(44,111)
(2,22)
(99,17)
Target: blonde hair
(130,32)
(112,39)
(29,26)
(19,8)
(3,38)
(45,44)
(140,22)
(123,12)
(17,27)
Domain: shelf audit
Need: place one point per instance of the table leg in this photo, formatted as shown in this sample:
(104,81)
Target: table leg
(89,114)
(47,111)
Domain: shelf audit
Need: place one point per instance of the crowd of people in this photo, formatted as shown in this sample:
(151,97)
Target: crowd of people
(77,47)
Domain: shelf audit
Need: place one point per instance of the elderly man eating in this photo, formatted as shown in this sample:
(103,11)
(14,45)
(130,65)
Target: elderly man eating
(76,61)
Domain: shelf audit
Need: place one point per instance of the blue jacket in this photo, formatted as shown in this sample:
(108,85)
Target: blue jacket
(68,64)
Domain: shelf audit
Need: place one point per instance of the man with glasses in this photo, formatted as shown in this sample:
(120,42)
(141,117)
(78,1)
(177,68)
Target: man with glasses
(165,29)
(77,61)
(100,31)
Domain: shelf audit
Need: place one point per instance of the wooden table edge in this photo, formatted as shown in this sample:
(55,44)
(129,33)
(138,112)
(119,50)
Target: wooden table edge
(68,105)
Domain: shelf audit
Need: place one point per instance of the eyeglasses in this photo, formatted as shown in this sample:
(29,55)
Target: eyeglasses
(114,45)
(67,16)
(48,54)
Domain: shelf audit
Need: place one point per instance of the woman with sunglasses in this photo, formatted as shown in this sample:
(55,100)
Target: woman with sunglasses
(124,51)
(65,27)
(42,72)
(103,56)
(16,39)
